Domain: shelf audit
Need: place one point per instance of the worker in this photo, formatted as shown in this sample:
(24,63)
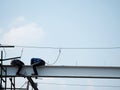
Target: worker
(37,62)
(19,64)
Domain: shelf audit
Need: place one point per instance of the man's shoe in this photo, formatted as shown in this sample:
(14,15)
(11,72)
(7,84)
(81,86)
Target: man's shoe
(35,75)
(19,74)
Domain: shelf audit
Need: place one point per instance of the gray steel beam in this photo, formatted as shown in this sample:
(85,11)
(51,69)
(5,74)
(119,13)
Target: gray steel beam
(68,72)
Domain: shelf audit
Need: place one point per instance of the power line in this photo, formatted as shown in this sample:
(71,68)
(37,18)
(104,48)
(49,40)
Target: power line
(68,47)
(57,57)
(81,85)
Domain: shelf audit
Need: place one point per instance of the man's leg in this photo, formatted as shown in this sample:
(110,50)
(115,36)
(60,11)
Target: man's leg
(19,69)
(35,70)
(35,67)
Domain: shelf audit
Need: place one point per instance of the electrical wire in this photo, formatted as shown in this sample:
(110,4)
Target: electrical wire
(56,58)
(21,52)
(5,53)
(81,85)
(69,47)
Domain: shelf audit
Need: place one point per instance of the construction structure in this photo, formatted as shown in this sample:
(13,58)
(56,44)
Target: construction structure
(8,71)
(60,72)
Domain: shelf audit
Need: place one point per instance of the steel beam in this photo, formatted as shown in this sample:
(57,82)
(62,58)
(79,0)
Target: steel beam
(67,72)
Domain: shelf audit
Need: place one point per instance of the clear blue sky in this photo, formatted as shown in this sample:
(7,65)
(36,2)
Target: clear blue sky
(63,23)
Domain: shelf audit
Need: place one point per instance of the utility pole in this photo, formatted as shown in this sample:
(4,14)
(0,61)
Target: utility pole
(2,69)
(1,66)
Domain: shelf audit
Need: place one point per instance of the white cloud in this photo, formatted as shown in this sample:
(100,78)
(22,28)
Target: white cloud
(28,34)
(20,20)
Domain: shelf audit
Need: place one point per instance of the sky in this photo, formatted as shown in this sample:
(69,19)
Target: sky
(63,23)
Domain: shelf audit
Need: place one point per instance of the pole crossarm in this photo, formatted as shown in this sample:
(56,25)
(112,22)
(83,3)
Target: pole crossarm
(6,46)
(105,72)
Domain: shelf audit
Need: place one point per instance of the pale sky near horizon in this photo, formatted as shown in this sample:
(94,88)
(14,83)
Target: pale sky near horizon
(64,23)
